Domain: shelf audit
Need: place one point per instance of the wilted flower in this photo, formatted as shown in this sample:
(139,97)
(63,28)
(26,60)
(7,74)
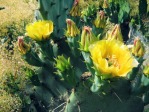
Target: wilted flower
(39,30)
(105,4)
(112,57)
(22,46)
(100,21)
(62,63)
(87,38)
(138,48)
(115,33)
(72,29)
(75,11)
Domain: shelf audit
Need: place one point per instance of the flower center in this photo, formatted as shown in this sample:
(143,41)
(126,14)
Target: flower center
(112,61)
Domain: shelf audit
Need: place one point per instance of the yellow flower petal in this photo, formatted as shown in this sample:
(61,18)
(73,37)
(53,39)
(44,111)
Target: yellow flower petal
(112,57)
(39,30)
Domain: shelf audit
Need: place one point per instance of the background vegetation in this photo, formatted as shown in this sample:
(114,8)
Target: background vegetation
(15,15)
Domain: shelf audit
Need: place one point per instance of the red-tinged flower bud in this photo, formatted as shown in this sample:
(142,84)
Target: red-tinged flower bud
(115,33)
(138,48)
(100,21)
(87,38)
(72,29)
(75,11)
(22,46)
(105,4)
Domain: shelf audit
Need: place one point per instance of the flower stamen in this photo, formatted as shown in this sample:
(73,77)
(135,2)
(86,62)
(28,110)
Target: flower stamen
(112,60)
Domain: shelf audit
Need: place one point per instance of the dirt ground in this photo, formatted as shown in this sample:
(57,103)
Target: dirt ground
(16,10)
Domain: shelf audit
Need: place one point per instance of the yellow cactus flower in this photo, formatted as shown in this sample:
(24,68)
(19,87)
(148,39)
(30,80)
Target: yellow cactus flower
(112,57)
(39,30)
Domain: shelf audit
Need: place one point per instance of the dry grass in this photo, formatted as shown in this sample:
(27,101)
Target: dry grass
(11,64)
(15,10)
(15,13)
(9,103)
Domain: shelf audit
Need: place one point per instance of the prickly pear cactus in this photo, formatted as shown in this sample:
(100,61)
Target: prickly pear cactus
(112,97)
(55,10)
(81,59)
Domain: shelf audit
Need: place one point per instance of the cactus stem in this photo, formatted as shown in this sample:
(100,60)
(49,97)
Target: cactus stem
(46,12)
(66,8)
(52,3)
(44,85)
(58,16)
(58,30)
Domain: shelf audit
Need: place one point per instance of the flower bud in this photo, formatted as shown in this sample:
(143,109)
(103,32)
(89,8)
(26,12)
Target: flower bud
(100,21)
(72,29)
(62,63)
(115,33)
(90,10)
(87,38)
(75,11)
(22,46)
(138,48)
(105,4)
